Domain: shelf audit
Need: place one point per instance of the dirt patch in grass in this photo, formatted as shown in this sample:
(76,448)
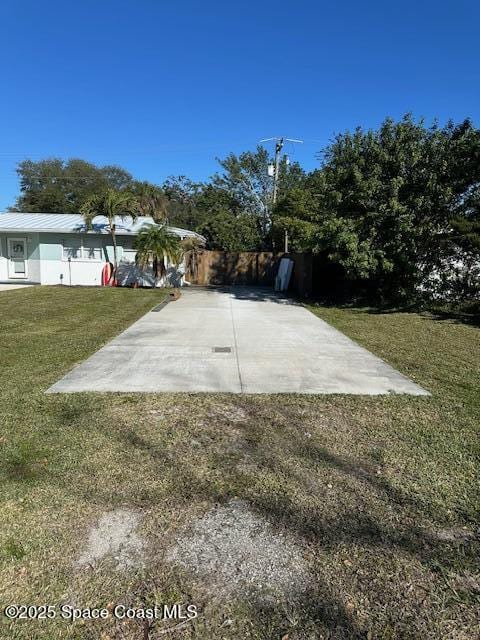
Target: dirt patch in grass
(453,534)
(229,411)
(115,536)
(236,551)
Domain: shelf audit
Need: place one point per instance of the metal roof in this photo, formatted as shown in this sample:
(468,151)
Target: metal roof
(74,223)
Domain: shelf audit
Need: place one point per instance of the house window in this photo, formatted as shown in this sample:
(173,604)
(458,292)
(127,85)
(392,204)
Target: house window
(72,249)
(92,249)
(82,249)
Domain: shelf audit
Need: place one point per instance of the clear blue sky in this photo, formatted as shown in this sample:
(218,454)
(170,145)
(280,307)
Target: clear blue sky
(163,88)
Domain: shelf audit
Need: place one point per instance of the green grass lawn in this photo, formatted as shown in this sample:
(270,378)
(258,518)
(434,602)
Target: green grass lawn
(379,493)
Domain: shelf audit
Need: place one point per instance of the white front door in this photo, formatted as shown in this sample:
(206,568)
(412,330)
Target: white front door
(17,258)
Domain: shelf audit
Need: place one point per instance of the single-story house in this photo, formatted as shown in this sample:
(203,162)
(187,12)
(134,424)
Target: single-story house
(57,248)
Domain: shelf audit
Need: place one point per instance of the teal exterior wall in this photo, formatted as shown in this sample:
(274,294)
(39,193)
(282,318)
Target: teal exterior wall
(51,244)
(56,269)
(32,244)
(47,265)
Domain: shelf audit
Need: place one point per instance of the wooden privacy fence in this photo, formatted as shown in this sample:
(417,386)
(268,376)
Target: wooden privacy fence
(225,267)
(247,268)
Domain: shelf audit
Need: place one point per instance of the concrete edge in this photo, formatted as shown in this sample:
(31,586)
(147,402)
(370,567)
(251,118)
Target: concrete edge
(51,389)
(423,392)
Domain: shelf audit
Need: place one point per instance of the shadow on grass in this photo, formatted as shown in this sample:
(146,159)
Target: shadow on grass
(417,540)
(405,532)
(318,605)
(384,520)
(23,460)
(306,613)
(472,319)
(469,315)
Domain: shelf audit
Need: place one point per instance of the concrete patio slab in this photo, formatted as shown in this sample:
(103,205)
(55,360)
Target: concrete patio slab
(236,340)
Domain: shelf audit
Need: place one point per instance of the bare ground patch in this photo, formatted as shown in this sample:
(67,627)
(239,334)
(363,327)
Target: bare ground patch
(239,552)
(115,536)
(229,411)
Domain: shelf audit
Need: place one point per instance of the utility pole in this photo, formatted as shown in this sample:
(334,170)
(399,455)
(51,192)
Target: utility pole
(278,149)
(279,144)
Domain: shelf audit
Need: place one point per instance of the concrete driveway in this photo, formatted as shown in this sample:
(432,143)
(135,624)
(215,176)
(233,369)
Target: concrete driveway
(9,287)
(235,340)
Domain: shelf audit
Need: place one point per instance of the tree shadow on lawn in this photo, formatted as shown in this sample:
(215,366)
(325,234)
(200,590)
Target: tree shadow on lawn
(410,531)
(317,605)
(306,615)
(212,474)
(471,318)
(419,541)
(358,526)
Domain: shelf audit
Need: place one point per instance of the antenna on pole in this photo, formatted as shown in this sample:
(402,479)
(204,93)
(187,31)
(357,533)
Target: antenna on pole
(274,170)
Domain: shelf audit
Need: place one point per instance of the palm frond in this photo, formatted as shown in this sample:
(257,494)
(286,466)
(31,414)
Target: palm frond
(153,202)
(111,204)
(155,244)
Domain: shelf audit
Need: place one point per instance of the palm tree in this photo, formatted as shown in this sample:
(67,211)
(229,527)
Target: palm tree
(112,204)
(152,202)
(191,247)
(155,244)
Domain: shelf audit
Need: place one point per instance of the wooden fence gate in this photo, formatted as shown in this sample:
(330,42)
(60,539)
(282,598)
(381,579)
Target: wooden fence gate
(247,268)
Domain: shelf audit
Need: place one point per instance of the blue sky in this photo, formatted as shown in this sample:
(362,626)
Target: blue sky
(163,88)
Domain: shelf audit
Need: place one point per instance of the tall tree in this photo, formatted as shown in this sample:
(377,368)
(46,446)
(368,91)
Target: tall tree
(465,222)
(182,193)
(382,204)
(152,201)
(246,181)
(227,232)
(59,186)
(112,204)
